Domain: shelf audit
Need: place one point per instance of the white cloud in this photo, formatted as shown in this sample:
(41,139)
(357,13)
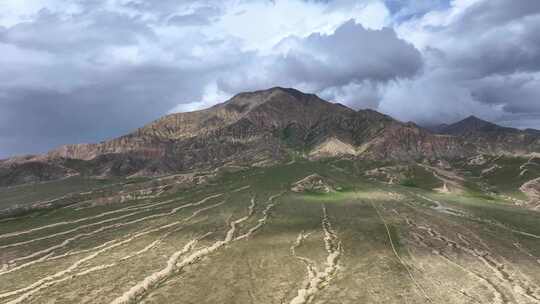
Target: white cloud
(424,31)
(212,95)
(262,24)
(127,62)
(16,11)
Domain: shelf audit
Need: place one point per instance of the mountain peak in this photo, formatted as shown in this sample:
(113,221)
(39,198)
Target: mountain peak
(476,123)
(281,104)
(265,126)
(255,98)
(474,119)
(471,124)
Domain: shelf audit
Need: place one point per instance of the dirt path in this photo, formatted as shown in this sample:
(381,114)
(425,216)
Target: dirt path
(316,279)
(12,263)
(68,231)
(452,182)
(270,204)
(419,287)
(175,265)
(498,296)
(57,224)
(157,277)
(310,264)
(138,207)
(240,189)
(441,208)
(532,190)
(526,252)
(59,276)
(517,285)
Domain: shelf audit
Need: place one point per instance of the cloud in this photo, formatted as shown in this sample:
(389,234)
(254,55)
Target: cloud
(433,98)
(76,33)
(406,9)
(199,17)
(376,55)
(497,13)
(481,57)
(125,101)
(350,65)
(85,71)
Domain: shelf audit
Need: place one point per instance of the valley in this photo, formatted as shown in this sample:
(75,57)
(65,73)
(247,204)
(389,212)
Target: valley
(270,152)
(243,236)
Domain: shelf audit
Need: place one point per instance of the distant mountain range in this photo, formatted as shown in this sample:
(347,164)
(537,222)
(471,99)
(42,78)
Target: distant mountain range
(262,128)
(490,138)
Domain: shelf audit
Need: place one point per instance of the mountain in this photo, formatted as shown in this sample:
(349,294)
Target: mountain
(473,124)
(264,124)
(491,138)
(532,131)
(254,128)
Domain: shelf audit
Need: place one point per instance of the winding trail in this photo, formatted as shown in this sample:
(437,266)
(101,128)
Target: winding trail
(60,276)
(157,277)
(132,208)
(419,287)
(175,265)
(517,286)
(498,297)
(262,221)
(68,231)
(448,178)
(526,252)
(137,207)
(317,279)
(108,227)
(240,189)
(28,231)
(310,264)
(442,208)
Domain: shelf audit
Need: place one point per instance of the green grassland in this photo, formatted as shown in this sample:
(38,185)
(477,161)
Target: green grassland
(368,242)
(507,177)
(30,193)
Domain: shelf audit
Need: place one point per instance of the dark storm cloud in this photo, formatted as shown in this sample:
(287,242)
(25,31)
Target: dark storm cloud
(485,61)
(499,49)
(495,13)
(88,76)
(104,68)
(59,34)
(502,61)
(122,103)
(516,93)
(376,55)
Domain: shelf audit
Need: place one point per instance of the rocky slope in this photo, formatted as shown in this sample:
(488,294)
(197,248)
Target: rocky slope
(258,128)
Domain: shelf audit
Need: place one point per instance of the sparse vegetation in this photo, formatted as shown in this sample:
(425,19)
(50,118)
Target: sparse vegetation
(140,250)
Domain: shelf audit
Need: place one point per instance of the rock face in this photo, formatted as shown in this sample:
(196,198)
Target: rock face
(313,183)
(332,147)
(532,190)
(31,171)
(493,139)
(260,127)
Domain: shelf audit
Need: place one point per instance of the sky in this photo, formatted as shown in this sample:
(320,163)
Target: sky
(88,70)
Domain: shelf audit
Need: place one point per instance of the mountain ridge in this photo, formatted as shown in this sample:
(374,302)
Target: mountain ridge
(492,138)
(252,128)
